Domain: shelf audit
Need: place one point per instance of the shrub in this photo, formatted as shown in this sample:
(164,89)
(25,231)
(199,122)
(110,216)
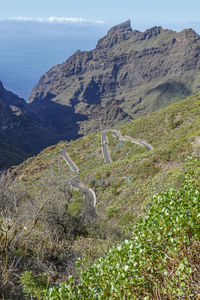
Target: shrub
(161,261)
(34,284)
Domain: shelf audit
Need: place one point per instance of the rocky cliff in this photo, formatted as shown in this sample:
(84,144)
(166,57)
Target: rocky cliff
(141,71)
(21,135)
(127,75)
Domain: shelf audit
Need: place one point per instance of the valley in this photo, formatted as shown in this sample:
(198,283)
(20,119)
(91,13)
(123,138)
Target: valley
(129,74)
(99,183)
(123,188)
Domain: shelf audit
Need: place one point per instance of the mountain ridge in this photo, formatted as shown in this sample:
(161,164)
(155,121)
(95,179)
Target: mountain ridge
(21,135)
(124,67)
(129,74)
(122,189)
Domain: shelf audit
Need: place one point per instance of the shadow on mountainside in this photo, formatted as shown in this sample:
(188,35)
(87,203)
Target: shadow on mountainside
(171,88)
(60,120)
(30,128)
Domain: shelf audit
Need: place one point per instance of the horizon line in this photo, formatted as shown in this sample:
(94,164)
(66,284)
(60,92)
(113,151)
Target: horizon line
(54,19)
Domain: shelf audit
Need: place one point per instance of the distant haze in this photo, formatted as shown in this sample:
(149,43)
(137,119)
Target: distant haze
(28,49)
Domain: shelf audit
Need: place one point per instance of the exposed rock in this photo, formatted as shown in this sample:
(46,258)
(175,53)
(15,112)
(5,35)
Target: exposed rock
(126,64)
(115,35)
(109,116)
(20,134)
(112,115)
(144,71)
(152,32)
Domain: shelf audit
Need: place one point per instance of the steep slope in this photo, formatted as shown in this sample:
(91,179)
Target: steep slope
(20,131)
(161,261)
(142,71)
(10,155)
(51,216)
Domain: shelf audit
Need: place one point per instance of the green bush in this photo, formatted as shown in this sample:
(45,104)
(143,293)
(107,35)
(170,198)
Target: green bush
(75,207)
(35,285)
(161,259)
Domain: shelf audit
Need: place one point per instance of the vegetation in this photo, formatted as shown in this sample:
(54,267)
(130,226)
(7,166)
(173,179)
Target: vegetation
(171,130)
(86,152)
(161,261)
(123,149)
(44,225)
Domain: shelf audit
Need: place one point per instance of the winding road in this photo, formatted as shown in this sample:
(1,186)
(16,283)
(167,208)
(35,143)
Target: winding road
(75,181)
(105,151)
(117,134)
(128,138)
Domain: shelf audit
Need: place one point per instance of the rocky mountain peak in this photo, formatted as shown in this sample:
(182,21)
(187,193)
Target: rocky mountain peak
(1,85)
(1,89)
(142,71)
(123,27)
(188,34)
(115,35)
(152,32)
(9,98)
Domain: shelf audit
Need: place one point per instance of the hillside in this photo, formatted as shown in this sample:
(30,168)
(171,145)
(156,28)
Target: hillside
(21,135)
(129,71)
(161,261)
(10,155)
(129,74)
(52,219)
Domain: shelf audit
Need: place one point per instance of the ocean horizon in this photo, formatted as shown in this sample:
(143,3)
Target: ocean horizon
(29,49)
(24,59)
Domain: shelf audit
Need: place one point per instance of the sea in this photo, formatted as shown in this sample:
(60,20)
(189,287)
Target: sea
(24,59)
(29,49)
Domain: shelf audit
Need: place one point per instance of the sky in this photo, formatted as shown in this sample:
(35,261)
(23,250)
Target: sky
(110,12)
(29,49)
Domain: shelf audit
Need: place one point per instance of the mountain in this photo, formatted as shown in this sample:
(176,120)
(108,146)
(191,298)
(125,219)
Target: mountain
(139,72)
(129,74)
(21,135)
(30,48)
(50,216)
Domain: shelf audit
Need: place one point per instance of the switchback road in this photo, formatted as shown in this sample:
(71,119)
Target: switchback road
(105,152)
(75,181)
(68,160)
(115,133)
(128,138)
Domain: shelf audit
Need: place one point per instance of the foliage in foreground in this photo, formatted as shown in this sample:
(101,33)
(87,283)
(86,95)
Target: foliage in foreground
(161,261)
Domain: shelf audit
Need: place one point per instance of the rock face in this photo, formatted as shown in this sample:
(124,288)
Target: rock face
(142,71)
(20,134)
(127,75)
(116,35)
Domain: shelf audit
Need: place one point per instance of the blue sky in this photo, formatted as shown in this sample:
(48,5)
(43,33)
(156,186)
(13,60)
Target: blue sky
(110,11)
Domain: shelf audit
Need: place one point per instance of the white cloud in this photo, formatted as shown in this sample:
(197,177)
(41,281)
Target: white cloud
(54,19)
